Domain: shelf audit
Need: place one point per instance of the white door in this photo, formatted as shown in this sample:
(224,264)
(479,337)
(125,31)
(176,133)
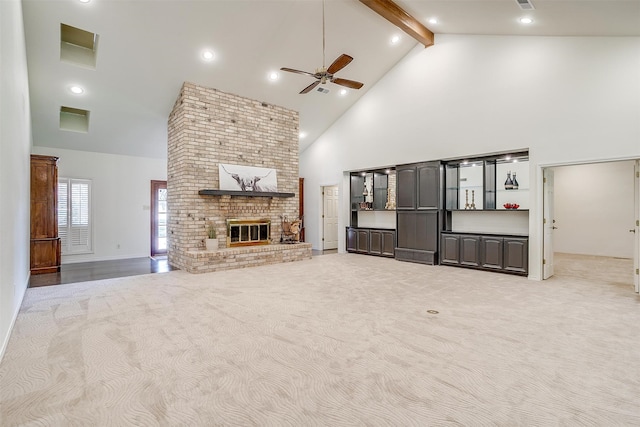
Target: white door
(330,217)
(548,223)
(636,229)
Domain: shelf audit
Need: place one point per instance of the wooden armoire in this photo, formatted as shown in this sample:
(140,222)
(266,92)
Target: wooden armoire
(45,243)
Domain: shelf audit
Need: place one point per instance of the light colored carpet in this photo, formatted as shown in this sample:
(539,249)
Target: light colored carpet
(335,340)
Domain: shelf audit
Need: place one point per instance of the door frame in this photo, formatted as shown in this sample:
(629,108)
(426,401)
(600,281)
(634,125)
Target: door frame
(320,217)
(539,225)
(155,186)
(322,234)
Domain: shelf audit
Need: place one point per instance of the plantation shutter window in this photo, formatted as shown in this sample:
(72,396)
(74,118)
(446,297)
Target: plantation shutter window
(74,215)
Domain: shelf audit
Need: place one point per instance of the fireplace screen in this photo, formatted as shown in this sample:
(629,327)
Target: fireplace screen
(242,232)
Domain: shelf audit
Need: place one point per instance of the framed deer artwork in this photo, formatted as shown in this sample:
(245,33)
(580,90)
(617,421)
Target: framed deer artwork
(247,178)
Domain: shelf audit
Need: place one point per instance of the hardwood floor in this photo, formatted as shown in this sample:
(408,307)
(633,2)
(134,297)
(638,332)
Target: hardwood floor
(98,270)
(87,271)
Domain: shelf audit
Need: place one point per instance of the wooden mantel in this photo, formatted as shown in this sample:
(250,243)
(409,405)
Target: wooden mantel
(243,193)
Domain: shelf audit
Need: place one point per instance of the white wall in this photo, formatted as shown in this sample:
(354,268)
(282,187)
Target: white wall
(121,196)
(566,99)
(15,144)
(593,209)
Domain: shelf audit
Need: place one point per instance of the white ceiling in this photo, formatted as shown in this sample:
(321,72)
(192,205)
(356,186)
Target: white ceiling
(146,50)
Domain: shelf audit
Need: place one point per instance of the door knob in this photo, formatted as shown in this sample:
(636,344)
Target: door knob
(633,230)
(554,227)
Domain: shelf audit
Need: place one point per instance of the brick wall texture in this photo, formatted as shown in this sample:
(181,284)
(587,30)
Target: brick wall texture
(207,127)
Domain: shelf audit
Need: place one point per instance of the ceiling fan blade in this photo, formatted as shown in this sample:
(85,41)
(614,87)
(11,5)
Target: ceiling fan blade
(291,70)
(342,61)
(310,87)
(348,83)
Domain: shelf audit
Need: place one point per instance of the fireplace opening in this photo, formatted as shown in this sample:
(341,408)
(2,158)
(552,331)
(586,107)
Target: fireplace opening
(242,232)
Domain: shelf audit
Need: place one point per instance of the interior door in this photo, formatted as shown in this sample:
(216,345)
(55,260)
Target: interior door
(330,217)
(158,218)
(548,223)
(636,228)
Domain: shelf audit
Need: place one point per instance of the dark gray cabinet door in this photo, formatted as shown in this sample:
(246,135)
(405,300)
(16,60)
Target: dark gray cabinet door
(405,187)
(352,240)
(516,254)
(492,252)
(375,242)
(406,230)
(450,249)
(427,228)
(470,250)
(363,241)
(388,243)
(428,185)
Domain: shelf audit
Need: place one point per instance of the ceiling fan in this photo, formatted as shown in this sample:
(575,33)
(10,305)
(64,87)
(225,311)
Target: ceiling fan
(326,74)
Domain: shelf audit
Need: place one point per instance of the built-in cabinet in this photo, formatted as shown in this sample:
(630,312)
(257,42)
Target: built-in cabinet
(370,241)
(486,220)
(418,212)
(372,191)
(508,254)
(45,243)
(469,213)
(373,203)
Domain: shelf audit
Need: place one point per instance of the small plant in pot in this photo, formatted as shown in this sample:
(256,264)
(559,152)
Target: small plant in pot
(211,242)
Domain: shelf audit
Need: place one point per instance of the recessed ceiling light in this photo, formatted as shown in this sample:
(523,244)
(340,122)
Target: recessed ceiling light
(208,55)
(76,90)
(84,1)
(395,39)
(302,135)
(343,92)
(526,20)
(273,76)
(433,20)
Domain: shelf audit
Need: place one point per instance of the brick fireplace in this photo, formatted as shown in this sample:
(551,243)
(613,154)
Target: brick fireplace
(208,127)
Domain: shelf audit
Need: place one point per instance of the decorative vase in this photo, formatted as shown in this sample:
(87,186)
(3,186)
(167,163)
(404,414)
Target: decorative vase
(515,182)
(211,244)
(508,184)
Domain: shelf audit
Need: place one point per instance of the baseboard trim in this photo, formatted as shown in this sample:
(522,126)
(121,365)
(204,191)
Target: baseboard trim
(14,317)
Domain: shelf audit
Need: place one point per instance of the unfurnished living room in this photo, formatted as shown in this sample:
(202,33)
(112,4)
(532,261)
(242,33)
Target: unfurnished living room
(319,212)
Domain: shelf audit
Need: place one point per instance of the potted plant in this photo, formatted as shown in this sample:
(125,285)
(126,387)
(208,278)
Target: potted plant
(211,242)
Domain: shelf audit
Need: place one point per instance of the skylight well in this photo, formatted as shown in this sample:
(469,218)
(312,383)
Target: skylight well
(78,47)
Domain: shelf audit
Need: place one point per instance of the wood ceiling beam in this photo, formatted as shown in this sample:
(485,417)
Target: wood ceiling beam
(402,19)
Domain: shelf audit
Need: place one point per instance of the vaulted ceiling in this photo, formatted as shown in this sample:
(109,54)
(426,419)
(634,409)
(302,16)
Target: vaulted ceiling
(146,49)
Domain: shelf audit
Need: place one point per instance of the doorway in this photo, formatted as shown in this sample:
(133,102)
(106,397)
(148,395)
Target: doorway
(158,218)
(330,217)
(590,221)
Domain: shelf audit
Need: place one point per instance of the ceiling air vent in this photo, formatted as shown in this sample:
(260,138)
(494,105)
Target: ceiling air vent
(525,4)
(78,47)
(74,119)
(323,90)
